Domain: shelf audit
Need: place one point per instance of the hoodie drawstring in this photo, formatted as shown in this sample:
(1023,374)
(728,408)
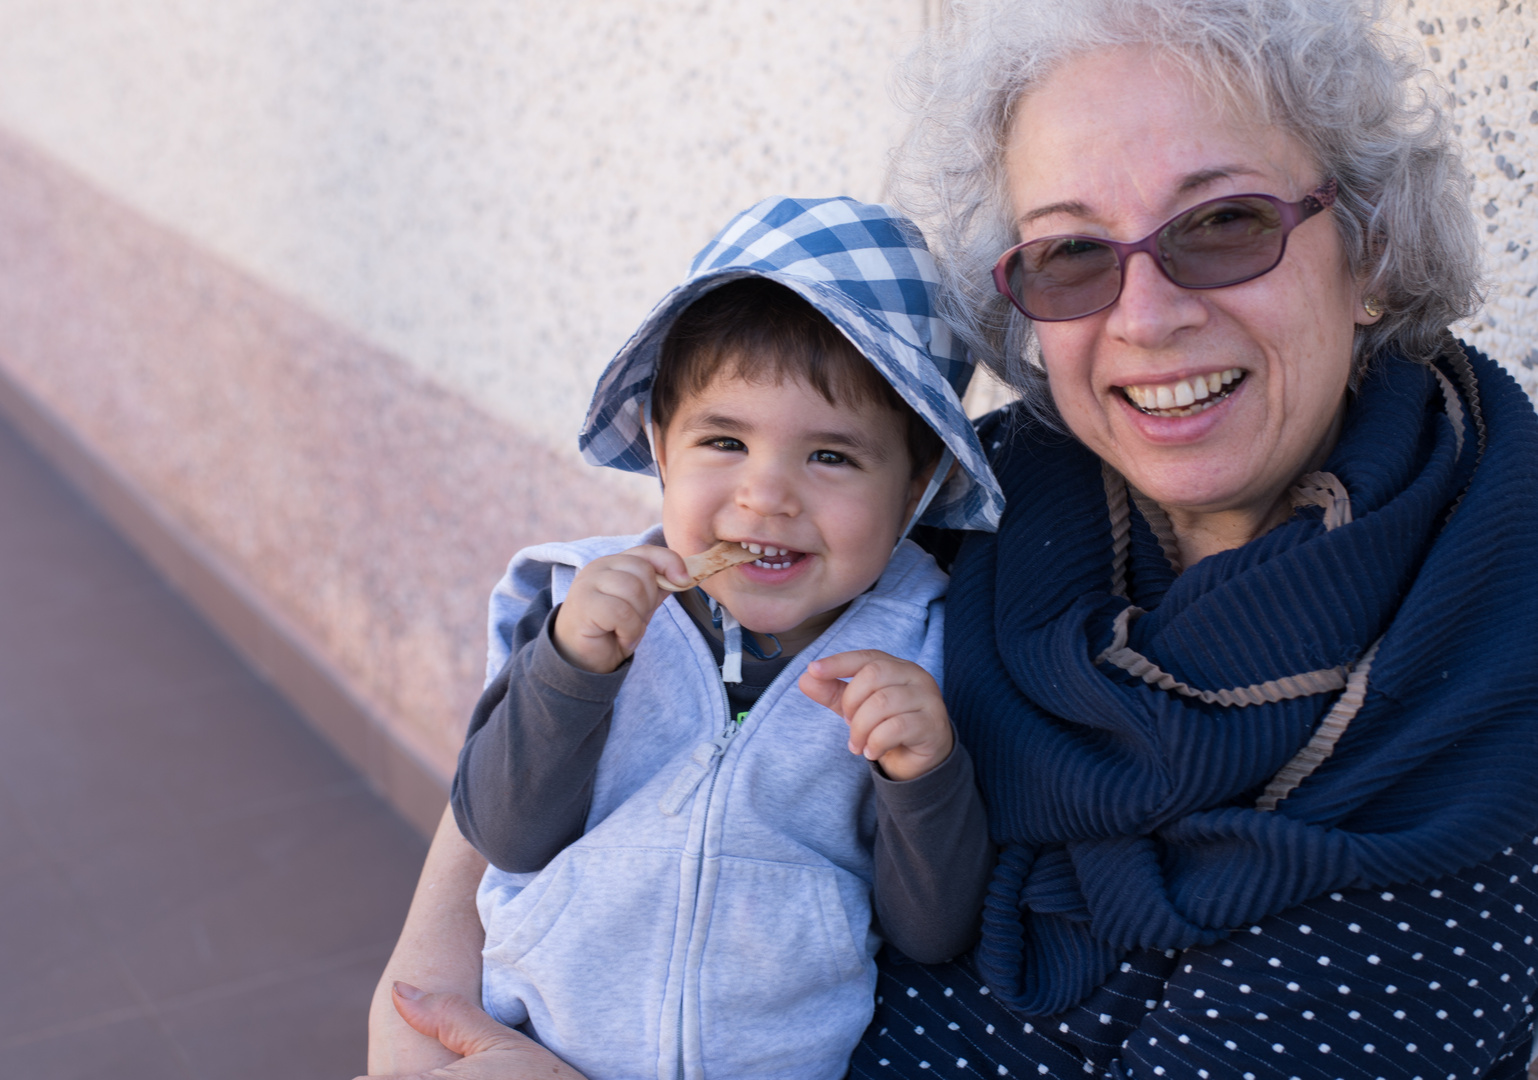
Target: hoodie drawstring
(733,641)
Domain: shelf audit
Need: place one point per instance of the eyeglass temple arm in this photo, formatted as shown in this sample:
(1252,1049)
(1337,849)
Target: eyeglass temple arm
(1322,197)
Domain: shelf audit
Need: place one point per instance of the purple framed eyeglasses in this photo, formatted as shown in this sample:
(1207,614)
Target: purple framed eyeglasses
(1215,243)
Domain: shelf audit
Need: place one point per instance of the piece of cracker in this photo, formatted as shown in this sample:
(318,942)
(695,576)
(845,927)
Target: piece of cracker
(723,556)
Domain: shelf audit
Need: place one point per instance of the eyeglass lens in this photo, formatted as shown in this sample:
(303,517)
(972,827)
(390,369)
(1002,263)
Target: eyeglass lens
(1222,242)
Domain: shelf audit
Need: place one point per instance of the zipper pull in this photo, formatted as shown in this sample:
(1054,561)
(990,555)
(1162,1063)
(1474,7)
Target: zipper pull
(688,780)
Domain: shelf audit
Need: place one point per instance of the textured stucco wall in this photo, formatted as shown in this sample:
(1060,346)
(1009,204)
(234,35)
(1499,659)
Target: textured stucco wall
(331,281)
(1484,56)
(493,191)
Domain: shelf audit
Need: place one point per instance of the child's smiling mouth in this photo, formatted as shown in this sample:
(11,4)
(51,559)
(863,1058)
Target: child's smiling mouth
(771,557)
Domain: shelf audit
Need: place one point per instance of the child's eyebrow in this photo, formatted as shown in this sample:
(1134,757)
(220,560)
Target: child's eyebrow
(717,422)
(712,425)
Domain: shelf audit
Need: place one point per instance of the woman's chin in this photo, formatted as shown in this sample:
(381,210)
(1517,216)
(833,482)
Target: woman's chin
(1196,491)
(1202,463)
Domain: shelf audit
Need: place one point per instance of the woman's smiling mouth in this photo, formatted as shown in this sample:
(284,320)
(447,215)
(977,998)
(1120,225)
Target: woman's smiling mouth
(1184,397)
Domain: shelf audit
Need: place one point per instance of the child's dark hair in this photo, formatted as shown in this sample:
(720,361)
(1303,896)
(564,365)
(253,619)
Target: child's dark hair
(760,331)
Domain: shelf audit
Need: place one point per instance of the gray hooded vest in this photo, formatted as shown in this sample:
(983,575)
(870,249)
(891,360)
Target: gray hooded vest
(715,918)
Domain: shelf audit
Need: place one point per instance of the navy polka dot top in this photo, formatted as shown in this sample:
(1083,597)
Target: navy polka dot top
(1426,982)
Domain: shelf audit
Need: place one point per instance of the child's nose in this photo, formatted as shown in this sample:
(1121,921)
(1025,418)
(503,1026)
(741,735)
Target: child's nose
(769,492)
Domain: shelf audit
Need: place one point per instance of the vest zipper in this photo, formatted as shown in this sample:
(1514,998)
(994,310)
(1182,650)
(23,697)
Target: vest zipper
(720,744)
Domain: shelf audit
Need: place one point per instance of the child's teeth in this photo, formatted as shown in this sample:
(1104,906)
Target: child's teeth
(755,549)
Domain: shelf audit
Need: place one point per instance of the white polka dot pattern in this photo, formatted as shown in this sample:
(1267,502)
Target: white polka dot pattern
(1433,982)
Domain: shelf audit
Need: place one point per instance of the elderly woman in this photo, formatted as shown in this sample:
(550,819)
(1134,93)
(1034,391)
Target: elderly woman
(1242,668)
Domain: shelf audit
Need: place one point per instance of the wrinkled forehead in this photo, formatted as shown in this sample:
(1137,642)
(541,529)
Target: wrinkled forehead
(1124,135)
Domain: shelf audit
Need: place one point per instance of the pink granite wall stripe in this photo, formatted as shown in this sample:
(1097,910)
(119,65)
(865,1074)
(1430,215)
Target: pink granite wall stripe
(363,502)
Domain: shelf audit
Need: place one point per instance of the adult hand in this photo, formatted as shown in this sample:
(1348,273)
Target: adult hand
(488,1050)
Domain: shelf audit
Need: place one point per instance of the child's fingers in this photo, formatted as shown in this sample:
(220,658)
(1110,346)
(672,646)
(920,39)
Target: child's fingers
(622,616)
(880,673)
(827,692)
(824,683)
(857,672)
(891,732)
(878,705)
(908,745)
(660,560)
(623,583)
(846,665)
(643,565)
(605,615)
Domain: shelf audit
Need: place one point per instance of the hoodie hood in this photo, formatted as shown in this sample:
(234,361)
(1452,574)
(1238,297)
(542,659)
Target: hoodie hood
(866,269)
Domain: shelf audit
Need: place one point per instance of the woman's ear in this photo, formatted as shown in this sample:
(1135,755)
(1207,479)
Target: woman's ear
(1369,309)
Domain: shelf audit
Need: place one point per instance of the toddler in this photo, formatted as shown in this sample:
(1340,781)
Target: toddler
(686,844)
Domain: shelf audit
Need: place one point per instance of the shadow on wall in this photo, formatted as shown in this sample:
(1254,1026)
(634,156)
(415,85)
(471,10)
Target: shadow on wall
(368,509)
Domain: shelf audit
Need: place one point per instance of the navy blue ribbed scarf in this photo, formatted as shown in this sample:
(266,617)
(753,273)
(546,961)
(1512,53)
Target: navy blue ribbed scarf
(1126,805)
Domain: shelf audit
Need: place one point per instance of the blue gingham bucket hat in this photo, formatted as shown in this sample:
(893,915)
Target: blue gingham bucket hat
(867,270)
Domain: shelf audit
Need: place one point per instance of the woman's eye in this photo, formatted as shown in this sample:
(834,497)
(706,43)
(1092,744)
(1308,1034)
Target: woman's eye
(1228,217)
(829,457)
(1218,218)
(1060,253)
(1069,248)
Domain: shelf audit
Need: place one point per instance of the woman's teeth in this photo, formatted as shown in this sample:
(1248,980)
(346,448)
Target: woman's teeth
(768,553)
(1185,397)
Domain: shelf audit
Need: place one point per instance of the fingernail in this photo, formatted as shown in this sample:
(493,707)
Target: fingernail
(409,992)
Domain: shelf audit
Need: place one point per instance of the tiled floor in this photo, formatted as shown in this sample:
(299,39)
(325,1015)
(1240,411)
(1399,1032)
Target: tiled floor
(192,884)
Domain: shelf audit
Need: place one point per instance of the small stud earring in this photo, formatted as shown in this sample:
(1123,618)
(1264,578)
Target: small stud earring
(1372,305)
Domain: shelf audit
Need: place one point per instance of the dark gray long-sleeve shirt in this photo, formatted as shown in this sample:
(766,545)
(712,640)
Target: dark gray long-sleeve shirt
(527,770)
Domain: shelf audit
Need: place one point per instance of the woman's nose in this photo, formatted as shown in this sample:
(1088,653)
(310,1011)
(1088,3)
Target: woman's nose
(1151,308)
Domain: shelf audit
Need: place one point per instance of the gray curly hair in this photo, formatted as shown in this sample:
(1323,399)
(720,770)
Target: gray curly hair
(1326,71)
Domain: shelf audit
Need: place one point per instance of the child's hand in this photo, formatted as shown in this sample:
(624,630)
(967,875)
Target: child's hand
(611,601)
(894,710)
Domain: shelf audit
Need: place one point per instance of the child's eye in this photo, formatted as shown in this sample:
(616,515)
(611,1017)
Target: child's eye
(726,443)
(830,457)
